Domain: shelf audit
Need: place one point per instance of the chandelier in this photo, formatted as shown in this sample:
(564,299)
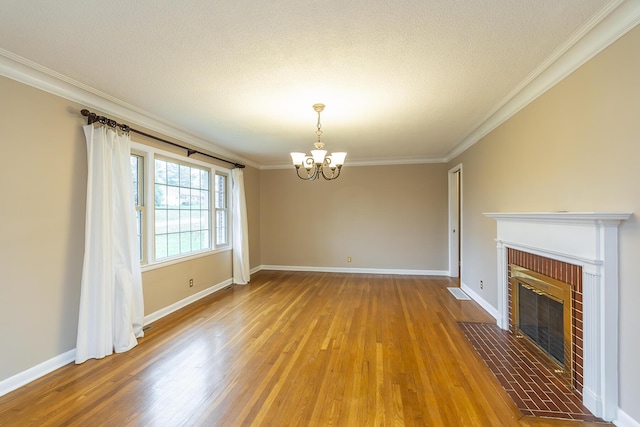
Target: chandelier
(318,163)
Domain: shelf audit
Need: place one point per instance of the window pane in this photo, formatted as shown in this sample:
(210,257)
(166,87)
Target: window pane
(221,227)
(185,220)
(173,221)
(173,244)
(161,221)
(221,237)
(173,197)
(194,198)
(185,242)
(204,199)
(173,173)
(204,239)
(220,203)
(195,178)
(220,191)
(195,241)
(204,220)
(135,175)
(161,196)
(134,167)
(185,176)
(161,172)
(161,246)
(135,194)
(185,198)
(139,232)
(195,220)
(204,180)
(138,222)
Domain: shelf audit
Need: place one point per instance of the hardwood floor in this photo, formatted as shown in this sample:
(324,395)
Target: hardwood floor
(290,349)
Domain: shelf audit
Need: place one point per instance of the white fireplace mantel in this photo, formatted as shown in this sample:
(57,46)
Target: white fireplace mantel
(590,240)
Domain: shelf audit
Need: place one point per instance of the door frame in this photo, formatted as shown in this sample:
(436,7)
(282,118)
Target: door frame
(454,232)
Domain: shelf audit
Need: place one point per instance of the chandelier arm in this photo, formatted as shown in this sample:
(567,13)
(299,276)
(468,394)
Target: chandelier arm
(311,177)
(316,173)
(322,168)
(334,175)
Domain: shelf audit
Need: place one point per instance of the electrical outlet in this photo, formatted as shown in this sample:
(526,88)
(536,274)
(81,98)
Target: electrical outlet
(481,284)
(191,283)
(348,259)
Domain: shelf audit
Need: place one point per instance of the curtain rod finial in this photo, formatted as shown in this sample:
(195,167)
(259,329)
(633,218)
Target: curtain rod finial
(91,117)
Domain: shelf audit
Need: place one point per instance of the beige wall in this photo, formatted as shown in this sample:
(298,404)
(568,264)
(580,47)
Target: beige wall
(384,217)
(164,286)
(576,148)
(42,196)
(252,194)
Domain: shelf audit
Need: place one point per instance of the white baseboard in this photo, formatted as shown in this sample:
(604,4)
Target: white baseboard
(150,318)
(32,374)
(355,270)
(477,298)
(624,420)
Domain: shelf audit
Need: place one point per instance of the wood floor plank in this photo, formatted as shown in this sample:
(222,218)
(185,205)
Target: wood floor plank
(291,348)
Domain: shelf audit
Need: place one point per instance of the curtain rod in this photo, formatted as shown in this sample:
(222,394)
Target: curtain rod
(93,117)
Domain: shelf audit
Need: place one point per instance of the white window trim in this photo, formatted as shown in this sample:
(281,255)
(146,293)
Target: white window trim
(177,260)
(150,153)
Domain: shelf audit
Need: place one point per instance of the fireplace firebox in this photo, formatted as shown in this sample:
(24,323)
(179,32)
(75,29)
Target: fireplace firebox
(542,317)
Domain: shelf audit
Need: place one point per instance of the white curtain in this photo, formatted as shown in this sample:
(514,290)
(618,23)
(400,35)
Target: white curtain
(240,230)
(111,305)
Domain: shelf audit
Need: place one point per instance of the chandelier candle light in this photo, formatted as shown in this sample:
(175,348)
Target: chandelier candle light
(318,163)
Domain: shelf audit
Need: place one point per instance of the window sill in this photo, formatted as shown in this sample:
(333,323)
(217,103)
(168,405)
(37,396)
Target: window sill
(172,261)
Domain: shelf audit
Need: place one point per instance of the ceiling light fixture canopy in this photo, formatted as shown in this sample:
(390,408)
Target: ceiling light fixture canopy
(318,163)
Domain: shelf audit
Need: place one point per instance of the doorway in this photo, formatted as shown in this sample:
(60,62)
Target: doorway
(455,221)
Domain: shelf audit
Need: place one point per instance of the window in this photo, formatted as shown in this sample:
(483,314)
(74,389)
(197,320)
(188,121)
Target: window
(179,212)
(137,170)
(181,209)
(222,236)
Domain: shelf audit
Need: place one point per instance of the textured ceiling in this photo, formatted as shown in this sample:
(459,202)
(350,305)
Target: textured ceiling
(401,80)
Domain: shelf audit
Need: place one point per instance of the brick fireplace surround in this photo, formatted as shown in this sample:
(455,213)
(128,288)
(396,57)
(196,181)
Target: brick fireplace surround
(579,248)
(566,273)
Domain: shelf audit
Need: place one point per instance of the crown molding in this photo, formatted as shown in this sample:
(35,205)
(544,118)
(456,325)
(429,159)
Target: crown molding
(32,74)
(612,22)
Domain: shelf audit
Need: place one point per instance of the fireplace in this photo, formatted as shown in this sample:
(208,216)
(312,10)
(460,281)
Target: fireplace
(581,248)
(542,315)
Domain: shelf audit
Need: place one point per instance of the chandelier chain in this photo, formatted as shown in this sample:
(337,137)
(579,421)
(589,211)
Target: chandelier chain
(319,131)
